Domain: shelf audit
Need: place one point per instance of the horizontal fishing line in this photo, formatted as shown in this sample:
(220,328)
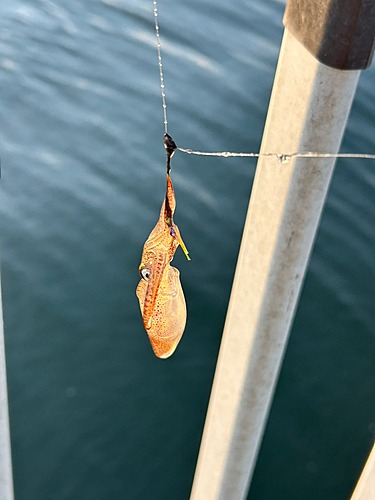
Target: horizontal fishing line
(283,158)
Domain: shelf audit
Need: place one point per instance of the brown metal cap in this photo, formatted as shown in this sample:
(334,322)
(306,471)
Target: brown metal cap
(339,33)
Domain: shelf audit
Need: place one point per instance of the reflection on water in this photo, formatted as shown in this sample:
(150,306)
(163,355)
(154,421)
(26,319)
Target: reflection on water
(94,414)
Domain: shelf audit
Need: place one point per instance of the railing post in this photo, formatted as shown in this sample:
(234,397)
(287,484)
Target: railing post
(365,489)
(6,480)
(309,107)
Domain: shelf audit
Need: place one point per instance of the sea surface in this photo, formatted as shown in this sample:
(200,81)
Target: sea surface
(94,414)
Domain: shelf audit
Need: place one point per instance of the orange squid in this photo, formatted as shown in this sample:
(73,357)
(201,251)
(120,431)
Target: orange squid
(160,294)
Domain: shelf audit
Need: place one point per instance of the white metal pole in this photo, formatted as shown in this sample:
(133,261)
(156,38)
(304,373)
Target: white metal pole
(365,489)
(308,111)
(6,480)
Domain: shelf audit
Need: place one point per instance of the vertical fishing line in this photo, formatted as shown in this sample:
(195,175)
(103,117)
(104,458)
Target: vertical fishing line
(160,66)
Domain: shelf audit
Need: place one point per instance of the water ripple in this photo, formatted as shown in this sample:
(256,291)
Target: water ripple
(179,51)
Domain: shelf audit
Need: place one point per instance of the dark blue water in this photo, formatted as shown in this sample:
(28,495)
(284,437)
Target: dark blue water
(94,414)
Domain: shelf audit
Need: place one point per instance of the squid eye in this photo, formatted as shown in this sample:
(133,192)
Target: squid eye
(145,273)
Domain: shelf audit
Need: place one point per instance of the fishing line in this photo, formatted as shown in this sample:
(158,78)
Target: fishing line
(160,67)
(282,157)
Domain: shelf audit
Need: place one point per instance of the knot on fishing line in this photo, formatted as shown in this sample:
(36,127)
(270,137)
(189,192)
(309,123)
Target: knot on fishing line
(283,158)
(170,145)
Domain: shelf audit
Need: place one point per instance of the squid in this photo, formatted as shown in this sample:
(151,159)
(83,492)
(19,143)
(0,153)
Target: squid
(159,292)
